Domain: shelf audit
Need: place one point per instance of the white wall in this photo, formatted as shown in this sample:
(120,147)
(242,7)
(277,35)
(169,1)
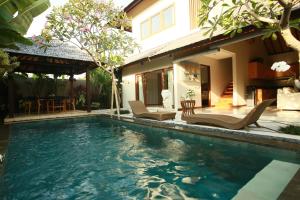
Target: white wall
(181,27)
(181,85)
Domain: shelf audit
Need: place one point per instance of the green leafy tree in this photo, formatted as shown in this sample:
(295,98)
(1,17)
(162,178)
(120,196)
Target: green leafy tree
(7,64)
(98,28)
(232,15)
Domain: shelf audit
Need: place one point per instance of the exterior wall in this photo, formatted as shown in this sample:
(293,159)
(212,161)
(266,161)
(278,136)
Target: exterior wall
(128,76)
(181,27)
(181,85)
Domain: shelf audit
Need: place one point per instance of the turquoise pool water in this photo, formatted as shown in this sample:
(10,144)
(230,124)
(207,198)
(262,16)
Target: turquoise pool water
(96,158)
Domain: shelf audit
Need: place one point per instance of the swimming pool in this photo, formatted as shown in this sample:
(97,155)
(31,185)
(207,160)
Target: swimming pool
(99,158)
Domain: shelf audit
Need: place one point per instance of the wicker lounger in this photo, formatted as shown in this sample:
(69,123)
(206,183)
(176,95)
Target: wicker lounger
(140,111)
(229,121)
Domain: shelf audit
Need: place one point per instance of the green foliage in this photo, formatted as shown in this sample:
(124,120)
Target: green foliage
(81,101)
(294,130)
(96,27)
(122,112)
(15,19)
(101,83)
(233,15)
(7,64)
(190,94)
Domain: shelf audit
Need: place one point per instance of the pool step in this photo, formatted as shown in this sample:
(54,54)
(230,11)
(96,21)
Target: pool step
(269,182)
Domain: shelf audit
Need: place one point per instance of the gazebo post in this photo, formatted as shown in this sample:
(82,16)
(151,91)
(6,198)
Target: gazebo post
(88,92)
(71,85)
(11,99)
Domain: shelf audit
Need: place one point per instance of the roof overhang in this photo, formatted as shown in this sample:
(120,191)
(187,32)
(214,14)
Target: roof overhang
(132,5)
(200,46)
(51,65)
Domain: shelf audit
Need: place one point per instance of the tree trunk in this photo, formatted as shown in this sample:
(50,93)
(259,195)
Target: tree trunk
(116,96)
(291,41)
(112,97)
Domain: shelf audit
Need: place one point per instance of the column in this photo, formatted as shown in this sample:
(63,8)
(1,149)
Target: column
(88,92)
(11,98)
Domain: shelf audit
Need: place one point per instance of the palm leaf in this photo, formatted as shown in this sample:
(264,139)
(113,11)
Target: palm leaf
(16,17)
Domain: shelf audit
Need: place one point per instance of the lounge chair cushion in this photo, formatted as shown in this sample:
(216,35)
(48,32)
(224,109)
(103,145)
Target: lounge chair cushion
(139,110)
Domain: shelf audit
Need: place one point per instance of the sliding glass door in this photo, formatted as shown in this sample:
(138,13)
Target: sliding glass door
(149,86)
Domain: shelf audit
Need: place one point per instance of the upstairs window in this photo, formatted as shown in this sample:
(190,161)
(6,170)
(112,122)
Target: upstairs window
(158,22)
(168,17)
(145,29)
(155,24)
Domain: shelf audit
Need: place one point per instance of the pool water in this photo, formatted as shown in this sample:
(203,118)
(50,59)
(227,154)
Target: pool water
(96,158)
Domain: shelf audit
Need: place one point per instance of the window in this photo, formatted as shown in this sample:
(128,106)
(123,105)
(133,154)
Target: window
(155,24)
(145,29)
(168,15)
(158,22)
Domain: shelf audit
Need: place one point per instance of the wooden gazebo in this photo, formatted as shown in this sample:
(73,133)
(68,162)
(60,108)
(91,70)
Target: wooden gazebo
(61,59)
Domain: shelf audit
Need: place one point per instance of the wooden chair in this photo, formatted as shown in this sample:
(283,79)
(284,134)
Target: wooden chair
(70,103)
(27,106)
(188,107)
(38,104)
(54,104)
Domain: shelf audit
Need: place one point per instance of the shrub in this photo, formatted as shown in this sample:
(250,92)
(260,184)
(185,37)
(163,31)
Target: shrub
(291,129)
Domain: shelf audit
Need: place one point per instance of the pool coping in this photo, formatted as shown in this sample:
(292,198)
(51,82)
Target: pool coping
(237,135)
(284,141)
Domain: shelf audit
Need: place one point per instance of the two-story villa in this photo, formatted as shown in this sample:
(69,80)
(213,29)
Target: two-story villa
(176,56)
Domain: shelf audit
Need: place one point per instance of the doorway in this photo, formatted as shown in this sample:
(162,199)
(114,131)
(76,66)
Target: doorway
(205,85)
(149,86)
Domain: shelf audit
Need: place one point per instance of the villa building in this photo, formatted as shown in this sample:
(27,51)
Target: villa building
(176,56)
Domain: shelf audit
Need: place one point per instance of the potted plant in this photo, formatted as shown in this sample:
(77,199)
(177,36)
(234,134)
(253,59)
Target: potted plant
(190,94)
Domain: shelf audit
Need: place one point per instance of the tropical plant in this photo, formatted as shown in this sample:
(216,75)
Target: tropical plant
(190,94)
(16,17)
(101,83)
(7,64)
(98,28)
(232,15)
(291,129)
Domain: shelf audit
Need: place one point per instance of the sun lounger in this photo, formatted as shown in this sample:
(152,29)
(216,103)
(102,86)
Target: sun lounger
(229,121)
(140,111)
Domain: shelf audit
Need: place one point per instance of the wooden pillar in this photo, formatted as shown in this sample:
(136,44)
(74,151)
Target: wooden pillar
(88,92)
(71,86)
(11,98)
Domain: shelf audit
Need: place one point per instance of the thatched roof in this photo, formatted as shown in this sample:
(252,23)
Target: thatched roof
(59,50)
(61,58)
